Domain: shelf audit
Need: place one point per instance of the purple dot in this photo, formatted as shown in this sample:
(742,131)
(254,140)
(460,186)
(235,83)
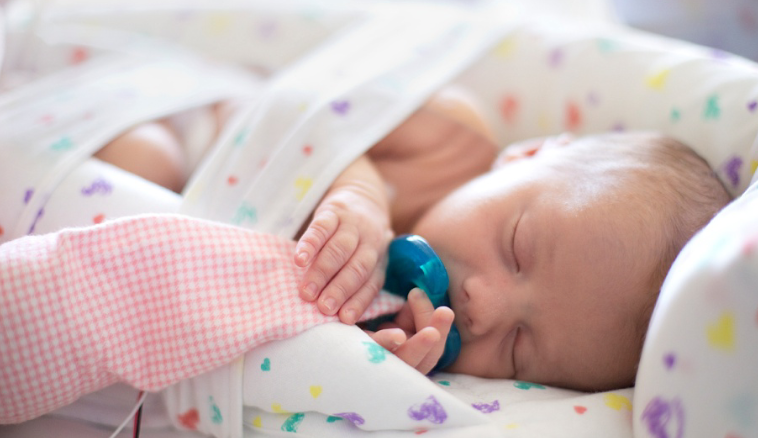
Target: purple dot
(352,417)
(669,359)
(430,410)
(28,195)
(664,419)
(267,29)
(487,408)
(751,106)
(732,170)
(341,107)
(719,54)
(556,58)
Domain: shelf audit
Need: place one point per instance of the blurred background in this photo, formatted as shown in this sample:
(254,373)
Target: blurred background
(729,25)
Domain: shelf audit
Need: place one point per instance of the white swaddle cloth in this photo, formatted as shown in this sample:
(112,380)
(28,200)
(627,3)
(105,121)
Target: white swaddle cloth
(50,128)
(269,168)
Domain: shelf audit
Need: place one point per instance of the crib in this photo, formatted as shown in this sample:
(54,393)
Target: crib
(535,75)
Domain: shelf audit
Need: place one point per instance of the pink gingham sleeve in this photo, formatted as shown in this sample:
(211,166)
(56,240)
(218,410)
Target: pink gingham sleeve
(147,300)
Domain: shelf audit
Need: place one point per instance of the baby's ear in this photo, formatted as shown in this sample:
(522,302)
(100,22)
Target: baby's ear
(529,148)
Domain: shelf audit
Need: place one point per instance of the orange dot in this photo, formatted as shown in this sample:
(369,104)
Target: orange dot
(99,218)
(573,116)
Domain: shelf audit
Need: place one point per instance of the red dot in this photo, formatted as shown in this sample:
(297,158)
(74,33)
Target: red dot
(79,55)
(573,116)
(580,409)
(189,419)
(307,149)
(509,109)
(46,119)
(99,218)
(2,231)
(232,180)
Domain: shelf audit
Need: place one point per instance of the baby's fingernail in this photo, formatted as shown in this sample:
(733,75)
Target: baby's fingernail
(329,303)
(302,257)
(350,316)
(416,293)
(310,290)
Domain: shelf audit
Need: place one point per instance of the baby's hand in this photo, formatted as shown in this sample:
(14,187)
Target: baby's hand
(418,334)
(344,247)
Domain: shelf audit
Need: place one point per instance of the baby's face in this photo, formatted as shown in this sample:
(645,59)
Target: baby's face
(547,280)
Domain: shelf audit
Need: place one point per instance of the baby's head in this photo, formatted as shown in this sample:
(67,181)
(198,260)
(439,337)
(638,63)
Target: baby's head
(557,255)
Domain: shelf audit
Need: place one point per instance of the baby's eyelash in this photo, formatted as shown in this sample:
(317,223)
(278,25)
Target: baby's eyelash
(513,246)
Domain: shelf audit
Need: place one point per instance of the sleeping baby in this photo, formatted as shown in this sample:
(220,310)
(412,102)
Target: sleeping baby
(555,253)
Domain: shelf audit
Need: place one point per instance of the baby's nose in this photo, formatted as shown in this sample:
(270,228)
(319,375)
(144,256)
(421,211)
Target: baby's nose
(489,307)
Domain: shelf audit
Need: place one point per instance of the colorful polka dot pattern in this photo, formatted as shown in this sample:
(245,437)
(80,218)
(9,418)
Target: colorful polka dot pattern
(697,371)
(575,84)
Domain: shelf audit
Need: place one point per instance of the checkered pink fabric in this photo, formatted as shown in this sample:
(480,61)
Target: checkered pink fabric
(147,300)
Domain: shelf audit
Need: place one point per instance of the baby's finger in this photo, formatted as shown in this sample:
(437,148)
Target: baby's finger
(390,339)
(421,307)
(326,265)
(319,231)
(353,274)
(442,320)
(352,310)
(404,318)
(415,349)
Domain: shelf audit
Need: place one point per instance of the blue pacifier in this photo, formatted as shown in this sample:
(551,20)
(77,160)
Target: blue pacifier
(413,263)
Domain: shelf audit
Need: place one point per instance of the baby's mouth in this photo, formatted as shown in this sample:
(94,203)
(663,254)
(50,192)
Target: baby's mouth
(458,302)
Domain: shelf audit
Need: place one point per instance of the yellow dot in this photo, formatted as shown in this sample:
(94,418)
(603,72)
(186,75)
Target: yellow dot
(316,390)
(219,23)
(753,166)
(512,426)
(543,122)
(257,422)
(303,185)
(658,80)
(721,332)
(617,402)
(277,408)
(505,48)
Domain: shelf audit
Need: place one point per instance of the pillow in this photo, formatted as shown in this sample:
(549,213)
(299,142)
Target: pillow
(698,368)
(547,78)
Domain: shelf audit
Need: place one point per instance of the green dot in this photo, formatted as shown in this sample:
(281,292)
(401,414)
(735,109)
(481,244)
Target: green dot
(605,45)
(675,115)
(712,108)
(527,385)
(444,383)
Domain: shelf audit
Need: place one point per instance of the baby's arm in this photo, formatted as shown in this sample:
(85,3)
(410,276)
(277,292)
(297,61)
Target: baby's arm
(440,147)
(345,243)
(418,333)
(139,300)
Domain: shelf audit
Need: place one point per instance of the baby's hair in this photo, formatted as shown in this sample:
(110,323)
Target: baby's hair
(666,181)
